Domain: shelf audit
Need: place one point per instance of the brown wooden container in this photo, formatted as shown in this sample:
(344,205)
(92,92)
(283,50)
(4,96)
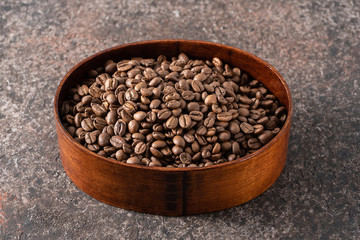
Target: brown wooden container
(182,191)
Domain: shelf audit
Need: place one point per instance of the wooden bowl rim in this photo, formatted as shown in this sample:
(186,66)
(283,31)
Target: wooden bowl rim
(165,169)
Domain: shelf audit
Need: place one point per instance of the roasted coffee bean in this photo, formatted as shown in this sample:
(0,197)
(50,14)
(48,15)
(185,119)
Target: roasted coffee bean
(117,141)
(254,143)
(185,158)
(172,122)
(139,116)
(121,155)
(104,139)
(224,116)
(120,128)
(224,136)
(258,129)
(197,86)
(140,148)
(133,126)
(179,141)
(158,144)
(196,115)
(265,137)
(246,128)
(133,160)
(164,114)
(98,109)
(234,127)
(156,153)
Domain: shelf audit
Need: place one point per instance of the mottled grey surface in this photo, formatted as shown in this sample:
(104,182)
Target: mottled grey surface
(314,44)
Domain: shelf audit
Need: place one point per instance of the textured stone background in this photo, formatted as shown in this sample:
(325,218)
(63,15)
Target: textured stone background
(314,44)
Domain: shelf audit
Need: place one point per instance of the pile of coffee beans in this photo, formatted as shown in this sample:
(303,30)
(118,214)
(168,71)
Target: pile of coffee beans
(174,113)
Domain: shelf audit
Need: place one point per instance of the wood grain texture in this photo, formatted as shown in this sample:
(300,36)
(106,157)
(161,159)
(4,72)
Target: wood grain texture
(176,192)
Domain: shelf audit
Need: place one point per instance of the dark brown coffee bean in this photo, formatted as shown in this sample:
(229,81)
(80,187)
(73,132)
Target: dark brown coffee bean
(196,115)
(226,146)
(193,106)
(99,123)
(265,137)
(158,144)
(120,128)
(254,143)
(164,114)
(130,107)
(121,155)
(258,129)
(158,135)
(177,150)
(117,141)
(202,130)
(224,117)
(179,141)
(98,109)
(133,126)
(155,103)
(140,148)
(172,122)
(87,124)
(188,95)
(235,148)
(189,138)
(216,149)
(139,116)
(185,158)
(133,160)
(234,127)
(93,147)
(210,100)
(224,136)
(104,139)
(156,153)
(246,128)
(197,86)
(172,104)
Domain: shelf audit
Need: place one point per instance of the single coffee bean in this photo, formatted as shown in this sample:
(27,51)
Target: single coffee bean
(193,106)
(265,137)
(156,153)
(179,141)
(235,148)
(117,141)
(164,114)
(224,116)
(188,95)
(177,150)
(234,127)
(158,144)
(210,100)
(197,86)
(254,143)
(172,122)
(133,126)
(246,128)
(196,115)
(185,158)
(258,129)
(139,116)
(224,136)
(140,148)
(120,128)
(133,160)
(121,155)
(99,110)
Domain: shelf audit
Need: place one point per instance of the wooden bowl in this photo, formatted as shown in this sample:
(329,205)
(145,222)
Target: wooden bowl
(176,191)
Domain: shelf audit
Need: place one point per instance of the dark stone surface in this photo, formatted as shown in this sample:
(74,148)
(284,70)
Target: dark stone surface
(314,44)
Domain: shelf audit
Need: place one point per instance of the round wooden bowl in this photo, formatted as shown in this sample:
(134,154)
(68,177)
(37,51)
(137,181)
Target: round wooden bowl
(176,191)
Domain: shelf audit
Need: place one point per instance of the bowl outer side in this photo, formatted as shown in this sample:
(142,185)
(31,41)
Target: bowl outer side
(167,192)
